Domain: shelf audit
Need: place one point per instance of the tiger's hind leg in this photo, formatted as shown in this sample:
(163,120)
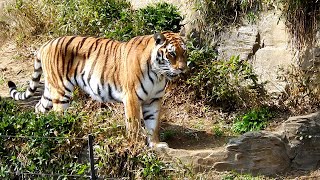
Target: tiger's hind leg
(45,103)
(60,98)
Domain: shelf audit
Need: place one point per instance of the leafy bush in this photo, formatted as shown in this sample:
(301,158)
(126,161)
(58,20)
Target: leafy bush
(227,83)
(115,155)
(158,17)
(254,120)
(36,154)
(113,18)
(87,17)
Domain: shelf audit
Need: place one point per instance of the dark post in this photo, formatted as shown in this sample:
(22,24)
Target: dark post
(91,158)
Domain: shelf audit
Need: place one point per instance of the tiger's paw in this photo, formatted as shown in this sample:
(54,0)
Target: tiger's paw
(159,145)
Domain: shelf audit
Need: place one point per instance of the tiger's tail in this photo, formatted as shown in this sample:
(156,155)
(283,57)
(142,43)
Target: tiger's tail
(33,85)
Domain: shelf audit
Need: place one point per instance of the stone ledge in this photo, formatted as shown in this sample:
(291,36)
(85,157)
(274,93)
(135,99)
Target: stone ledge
(295,144)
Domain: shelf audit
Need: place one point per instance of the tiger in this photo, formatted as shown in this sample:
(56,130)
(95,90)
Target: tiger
(135,72)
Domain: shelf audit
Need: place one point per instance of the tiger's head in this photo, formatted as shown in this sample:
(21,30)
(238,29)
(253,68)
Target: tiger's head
(169,57)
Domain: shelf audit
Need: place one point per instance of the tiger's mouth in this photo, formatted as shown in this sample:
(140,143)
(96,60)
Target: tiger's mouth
(171,76)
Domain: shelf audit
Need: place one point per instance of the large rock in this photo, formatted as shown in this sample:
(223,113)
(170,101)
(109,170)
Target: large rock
(302,137)
(295,144)
(256,153)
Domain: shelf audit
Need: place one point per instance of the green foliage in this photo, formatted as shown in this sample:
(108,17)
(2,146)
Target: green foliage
(158,17)
(112,19)
(217,131)
(87,17)
(229,83)
(152,166)
(37,154)
(254,120)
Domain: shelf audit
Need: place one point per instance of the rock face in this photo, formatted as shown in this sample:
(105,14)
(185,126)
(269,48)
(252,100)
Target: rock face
(266,44)
(295,144)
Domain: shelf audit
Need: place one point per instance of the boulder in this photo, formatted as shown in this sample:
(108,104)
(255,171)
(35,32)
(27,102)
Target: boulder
(295,144)
(302,137)
(256,153)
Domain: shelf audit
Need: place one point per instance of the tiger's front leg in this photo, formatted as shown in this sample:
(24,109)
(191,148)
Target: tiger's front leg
(151,116)
(133,115)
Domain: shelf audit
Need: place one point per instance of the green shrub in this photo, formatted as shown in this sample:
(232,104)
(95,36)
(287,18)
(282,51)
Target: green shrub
(36,154)
(158,17)
(113,18)
(226,83)
(87,17)
(254,120)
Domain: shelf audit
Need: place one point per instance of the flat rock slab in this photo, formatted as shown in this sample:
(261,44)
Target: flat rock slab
(295,144)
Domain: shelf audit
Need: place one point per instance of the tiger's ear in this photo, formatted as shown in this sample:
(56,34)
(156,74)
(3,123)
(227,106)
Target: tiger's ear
(159,38)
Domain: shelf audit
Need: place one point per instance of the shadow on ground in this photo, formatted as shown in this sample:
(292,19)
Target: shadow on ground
(179,137)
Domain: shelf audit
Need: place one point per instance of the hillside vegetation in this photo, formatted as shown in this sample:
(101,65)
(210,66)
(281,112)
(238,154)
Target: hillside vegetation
(222,98)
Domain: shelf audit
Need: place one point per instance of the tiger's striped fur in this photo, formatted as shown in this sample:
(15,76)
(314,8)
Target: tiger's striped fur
(133,72)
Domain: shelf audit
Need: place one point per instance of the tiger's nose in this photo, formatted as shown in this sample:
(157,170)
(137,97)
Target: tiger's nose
(182,66)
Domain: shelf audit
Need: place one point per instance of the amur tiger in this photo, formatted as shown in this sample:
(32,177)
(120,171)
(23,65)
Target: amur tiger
(134,72)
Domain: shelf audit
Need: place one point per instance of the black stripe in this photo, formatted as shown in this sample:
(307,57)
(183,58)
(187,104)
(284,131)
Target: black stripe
(143,89)
(99,91)
(70,62)
(56,101)
(136,39)
(37,79)
(97,44)
(94,64)
(32,90)
(161,90)
(148,66)
(24,96)
(110,92)
(63,56)
(67,89)
(14,94)
(55,58)
(102,80)
(47,109)
(46,98)
(132,44)
(68,43)
(148,117)
(90,48)
(66,96)
(154,100)
(84,83)
(39,70)
(82,42)
(144,113)
(138,96)
(75,73)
